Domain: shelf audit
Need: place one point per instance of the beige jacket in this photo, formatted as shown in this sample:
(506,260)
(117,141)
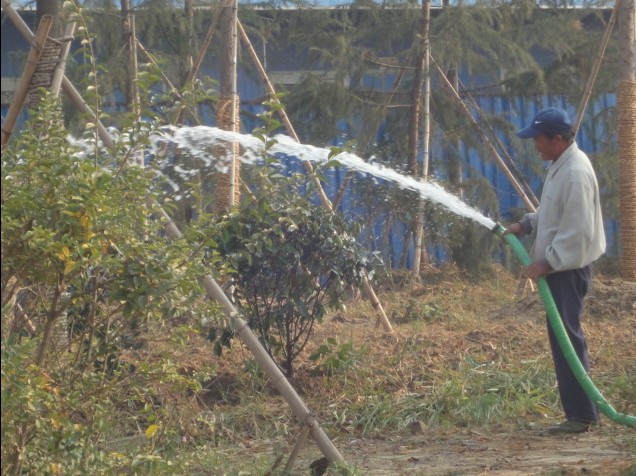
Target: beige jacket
(568,224)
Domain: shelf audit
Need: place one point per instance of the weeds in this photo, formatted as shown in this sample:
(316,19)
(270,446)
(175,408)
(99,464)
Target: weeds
(333,358)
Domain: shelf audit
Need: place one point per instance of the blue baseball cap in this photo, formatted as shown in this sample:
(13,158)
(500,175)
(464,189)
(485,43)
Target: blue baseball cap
(551,120)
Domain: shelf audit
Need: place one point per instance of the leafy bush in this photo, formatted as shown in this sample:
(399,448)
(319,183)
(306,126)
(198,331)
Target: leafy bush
(86,266)
(291,259)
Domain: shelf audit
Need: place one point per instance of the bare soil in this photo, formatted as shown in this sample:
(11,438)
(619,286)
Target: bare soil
(490,322)
(495,451)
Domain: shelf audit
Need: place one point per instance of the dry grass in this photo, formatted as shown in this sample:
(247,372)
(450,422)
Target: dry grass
(468,361)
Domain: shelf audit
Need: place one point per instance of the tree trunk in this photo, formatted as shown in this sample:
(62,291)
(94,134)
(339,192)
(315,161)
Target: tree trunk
(420,246)
(454,160)
(128,32)
(416,99)
(49,7)
(227,184)
(125,33)
(189,13)
(626,122)
(455,175)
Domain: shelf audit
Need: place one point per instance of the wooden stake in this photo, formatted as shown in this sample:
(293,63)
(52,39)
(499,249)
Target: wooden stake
(19,97)
(597,64)
(288,125)
(529,205)
(248,337)
(60,69)
(300,442)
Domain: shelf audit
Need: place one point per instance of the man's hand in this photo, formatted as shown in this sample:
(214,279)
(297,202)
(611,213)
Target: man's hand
(515,229)
(538,269)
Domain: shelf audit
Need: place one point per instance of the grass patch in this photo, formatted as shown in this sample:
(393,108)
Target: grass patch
(463,357)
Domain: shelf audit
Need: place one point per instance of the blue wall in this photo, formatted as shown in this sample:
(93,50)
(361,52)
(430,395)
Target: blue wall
(517,111)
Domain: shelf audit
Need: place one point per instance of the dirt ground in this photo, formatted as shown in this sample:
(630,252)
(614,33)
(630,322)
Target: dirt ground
(505,450)
(495,451)
(500,325)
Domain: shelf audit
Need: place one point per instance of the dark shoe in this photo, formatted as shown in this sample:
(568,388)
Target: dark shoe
(570,426)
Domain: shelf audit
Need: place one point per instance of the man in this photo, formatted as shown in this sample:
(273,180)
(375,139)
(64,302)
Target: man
(568,238)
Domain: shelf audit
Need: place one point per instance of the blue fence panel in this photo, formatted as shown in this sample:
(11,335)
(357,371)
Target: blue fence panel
(389,237)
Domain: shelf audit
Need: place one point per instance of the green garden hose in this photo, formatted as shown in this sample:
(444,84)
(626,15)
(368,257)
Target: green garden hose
(556,323)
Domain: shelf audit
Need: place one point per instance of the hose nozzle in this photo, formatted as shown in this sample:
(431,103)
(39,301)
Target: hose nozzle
(498,229)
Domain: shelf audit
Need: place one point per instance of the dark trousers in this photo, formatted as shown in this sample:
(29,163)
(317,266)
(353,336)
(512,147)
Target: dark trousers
(569,289)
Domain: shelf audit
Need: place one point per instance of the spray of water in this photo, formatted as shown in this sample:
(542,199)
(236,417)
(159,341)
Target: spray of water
(198,140)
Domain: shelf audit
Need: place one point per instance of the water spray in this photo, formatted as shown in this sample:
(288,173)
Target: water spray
(582,376)
(197,139)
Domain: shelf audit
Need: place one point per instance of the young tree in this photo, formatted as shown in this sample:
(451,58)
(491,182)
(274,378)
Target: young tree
(49,7)
(291,260)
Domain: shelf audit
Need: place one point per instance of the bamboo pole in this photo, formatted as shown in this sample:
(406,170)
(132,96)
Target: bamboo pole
(172,87)
(529,201)
(502,165)
(60,69)
(188,9)
(158,68)
(77,99)
(375,302)
(595,67)
(248,337)
(426,139)
(206,42)
(508,160)
(19,97)
(134,66)
(234,124)
(283,115)
(214,291)
(134,77)
(300,442)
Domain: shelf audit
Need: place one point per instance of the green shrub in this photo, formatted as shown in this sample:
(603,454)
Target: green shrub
(290,259)
(90,269)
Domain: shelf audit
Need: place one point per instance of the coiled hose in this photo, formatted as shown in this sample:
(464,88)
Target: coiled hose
(563,339)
